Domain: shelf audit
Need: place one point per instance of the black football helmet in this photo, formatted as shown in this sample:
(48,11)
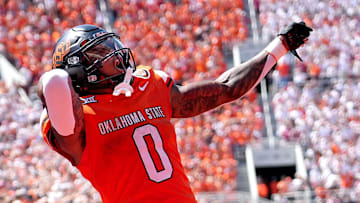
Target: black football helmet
(81,52)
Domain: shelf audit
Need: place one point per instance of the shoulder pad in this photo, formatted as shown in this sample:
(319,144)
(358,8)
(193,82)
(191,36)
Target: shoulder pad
(142,72)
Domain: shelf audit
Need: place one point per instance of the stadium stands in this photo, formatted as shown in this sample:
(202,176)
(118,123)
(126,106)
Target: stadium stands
(184,39)
(31,28)
(319,106)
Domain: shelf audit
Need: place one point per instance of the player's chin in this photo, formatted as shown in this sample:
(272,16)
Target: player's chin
(101,91)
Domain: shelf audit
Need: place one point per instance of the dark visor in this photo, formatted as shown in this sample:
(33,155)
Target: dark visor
(104,48)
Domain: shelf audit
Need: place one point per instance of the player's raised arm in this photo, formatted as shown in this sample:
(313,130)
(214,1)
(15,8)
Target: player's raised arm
(195,98)
(65,112)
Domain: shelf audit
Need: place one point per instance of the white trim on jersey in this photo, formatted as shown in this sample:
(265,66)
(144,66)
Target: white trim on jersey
(164,76)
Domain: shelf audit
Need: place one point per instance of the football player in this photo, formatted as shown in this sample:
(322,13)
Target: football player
(111,118)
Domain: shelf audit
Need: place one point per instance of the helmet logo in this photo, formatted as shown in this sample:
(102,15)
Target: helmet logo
(73,60)
(60,51)
(98,34)
(92,78)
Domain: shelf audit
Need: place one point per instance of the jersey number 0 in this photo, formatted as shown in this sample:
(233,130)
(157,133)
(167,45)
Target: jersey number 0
(142,147)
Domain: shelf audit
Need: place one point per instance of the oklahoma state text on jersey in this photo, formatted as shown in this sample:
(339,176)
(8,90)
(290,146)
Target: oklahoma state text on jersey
(131,153)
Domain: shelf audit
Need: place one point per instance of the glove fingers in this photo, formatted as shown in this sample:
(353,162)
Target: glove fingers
(306,29)
(302,28)
(296,35)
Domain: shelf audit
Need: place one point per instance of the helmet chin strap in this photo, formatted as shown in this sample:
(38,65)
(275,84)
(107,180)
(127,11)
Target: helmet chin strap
(124,87)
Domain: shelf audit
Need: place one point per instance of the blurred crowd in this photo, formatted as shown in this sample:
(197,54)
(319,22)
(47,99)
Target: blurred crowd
(29,170)
(335,41)
(275,187)
(184,38)
(317,102)
(29,29)
(206,143)
(325,119)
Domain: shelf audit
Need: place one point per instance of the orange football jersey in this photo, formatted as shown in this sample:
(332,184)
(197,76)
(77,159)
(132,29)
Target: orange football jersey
(131,153)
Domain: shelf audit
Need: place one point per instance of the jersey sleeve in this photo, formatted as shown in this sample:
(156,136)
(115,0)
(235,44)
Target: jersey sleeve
(168,81)
(160,77)
(48,137)
(45,126)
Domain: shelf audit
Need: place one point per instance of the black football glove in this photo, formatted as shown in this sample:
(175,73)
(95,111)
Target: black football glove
(296,35)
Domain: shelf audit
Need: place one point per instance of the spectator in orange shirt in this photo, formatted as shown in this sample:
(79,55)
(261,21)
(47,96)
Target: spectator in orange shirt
(263,189)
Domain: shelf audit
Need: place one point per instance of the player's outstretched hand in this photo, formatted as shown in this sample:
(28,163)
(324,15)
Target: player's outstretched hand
(296,35)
